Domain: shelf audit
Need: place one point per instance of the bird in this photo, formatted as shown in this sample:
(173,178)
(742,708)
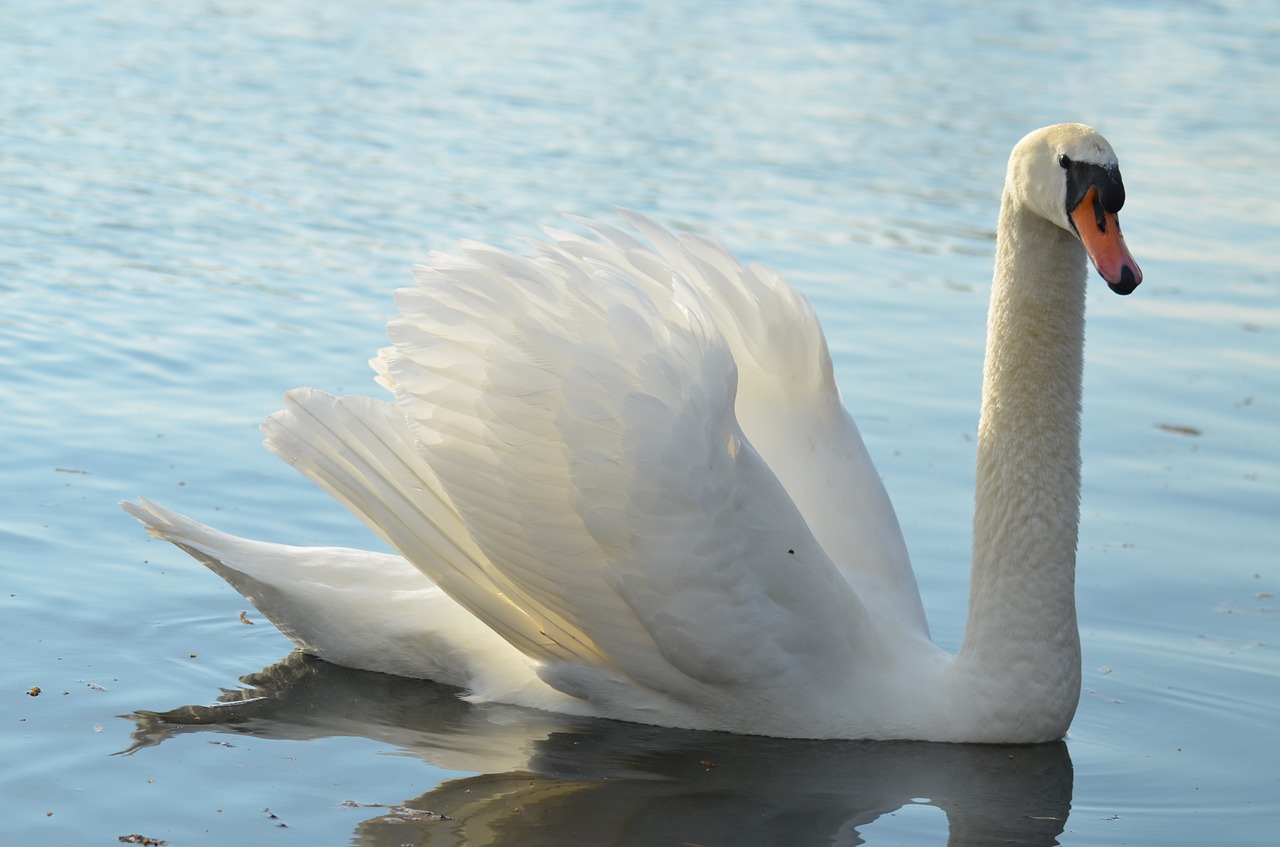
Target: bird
(620,482)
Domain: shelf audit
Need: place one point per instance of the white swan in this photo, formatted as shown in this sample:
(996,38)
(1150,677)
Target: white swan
(623,484)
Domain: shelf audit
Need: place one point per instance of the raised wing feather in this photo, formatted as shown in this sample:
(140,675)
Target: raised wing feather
(578,412)
(787,402)
(362,452)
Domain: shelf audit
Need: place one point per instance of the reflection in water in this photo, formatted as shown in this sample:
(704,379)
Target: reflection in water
(550,780)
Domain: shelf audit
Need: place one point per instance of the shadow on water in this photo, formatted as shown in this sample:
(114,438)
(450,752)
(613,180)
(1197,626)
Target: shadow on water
(547,779)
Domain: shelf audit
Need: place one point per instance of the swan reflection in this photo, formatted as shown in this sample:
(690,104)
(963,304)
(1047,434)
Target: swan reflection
(546,779)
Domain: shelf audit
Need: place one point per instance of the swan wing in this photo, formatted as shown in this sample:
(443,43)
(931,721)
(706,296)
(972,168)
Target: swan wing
(362,452)
(579,416)
(788,403)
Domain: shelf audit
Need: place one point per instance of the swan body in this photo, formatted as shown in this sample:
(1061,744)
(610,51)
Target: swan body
(621,483)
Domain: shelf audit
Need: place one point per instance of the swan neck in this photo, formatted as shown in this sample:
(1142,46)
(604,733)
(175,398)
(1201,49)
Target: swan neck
(1022,630)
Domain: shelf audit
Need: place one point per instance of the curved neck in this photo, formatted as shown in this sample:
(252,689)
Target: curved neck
(1021,639)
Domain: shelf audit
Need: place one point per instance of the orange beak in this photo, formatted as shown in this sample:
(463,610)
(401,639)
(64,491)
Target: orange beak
(1099,231)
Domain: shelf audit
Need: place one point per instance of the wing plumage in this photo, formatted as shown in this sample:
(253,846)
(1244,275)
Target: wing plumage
(787,402)
(579,414)
(630,462)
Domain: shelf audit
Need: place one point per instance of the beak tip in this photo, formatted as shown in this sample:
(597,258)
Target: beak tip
(1130,278)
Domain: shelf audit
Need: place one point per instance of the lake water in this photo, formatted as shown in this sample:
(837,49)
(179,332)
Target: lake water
(204,204)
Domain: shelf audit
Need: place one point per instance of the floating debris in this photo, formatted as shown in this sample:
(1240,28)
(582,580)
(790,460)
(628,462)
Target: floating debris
(399,814)
(1178,429)
(1105,697)
(141,839)
(244,618)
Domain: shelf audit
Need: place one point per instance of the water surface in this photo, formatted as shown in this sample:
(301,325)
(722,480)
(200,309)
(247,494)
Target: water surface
(203,205)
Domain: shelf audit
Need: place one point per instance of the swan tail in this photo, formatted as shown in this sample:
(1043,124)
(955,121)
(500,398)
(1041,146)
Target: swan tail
(372,611)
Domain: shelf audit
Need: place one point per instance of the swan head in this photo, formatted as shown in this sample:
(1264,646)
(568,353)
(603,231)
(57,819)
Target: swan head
(1069,175)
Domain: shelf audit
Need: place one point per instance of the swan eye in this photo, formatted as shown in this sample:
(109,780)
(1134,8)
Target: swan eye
(1064,160)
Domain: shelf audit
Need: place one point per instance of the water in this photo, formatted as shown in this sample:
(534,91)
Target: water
(205,204)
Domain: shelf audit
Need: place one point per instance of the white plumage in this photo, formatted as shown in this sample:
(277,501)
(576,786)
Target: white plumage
(623,484)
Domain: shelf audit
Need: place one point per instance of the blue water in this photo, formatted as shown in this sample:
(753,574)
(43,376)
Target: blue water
(205,204)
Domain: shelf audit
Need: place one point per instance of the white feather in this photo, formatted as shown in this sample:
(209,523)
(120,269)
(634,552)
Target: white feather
(623,484)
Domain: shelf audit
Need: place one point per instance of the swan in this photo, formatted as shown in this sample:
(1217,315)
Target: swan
(622,483)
